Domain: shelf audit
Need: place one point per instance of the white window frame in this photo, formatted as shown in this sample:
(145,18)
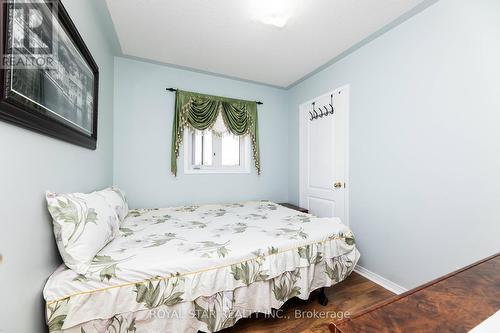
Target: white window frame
(216,168)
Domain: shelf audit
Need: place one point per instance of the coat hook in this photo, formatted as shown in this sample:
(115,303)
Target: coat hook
(322,113)
(332,111)
(326,110)
(316,115)
(312,117)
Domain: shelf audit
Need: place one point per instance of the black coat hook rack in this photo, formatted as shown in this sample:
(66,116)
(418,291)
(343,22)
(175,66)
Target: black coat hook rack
(328,110)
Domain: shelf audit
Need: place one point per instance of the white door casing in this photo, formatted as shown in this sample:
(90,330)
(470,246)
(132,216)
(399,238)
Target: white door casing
(324,156)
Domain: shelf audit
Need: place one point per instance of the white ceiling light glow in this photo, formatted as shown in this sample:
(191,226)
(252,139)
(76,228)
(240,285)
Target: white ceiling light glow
(273,12)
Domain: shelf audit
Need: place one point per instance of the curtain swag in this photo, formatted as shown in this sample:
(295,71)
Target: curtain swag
(199,112)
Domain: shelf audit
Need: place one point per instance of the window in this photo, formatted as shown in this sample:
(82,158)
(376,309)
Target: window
(205,152)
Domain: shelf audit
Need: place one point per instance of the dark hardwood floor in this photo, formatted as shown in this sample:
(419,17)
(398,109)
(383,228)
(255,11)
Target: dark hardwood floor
(351,295)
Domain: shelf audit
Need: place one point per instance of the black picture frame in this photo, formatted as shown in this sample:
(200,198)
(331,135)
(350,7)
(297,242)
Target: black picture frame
(28,114)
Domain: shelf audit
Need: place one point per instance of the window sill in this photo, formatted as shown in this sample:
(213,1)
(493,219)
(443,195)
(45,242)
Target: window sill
(215,171)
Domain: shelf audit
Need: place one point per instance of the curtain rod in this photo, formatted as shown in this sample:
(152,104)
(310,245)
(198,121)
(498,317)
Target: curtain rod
(173,90)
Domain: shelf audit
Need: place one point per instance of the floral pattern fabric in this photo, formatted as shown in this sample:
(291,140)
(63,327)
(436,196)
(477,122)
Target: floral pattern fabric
(250,257)
(115,197)
(83,225)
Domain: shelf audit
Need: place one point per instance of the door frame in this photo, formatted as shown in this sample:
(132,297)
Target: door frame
(345,88)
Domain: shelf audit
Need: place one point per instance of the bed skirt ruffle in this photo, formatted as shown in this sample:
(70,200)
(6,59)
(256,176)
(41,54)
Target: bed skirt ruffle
(223,309)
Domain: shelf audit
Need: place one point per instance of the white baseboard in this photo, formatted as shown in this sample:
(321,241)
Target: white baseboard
(387,284)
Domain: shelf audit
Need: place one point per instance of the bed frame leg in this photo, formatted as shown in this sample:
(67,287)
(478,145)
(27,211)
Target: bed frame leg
(322,299)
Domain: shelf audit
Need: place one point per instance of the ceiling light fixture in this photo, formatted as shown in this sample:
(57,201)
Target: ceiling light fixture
(273,12)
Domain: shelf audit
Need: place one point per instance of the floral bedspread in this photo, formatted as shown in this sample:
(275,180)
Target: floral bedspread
(174,257)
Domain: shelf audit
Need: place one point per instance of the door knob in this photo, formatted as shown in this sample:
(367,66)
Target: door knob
(337,185)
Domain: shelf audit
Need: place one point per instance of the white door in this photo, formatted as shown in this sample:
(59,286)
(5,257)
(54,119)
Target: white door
(324,155)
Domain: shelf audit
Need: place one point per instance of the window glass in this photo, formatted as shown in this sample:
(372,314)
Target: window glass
(230,150)
(206,152)
(202,148)
(207,148)
(197,148)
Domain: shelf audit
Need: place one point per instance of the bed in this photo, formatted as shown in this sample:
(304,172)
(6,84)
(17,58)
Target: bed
(200,268)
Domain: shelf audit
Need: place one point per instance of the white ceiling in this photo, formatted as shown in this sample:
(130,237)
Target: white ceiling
(222,36)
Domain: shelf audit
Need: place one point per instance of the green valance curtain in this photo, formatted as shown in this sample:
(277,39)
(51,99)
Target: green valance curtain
(199,112)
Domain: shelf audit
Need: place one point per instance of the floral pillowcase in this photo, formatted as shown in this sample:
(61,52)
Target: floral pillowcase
(83,225)
(116,198)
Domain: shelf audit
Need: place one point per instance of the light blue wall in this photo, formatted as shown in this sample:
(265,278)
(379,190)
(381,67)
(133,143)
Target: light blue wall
(143,128)
(30,164)
(425,140)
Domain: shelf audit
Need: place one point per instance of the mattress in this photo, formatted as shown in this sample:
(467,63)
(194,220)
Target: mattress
(191,268)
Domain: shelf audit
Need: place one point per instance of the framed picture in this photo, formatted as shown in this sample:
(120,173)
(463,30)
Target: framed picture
(48,78)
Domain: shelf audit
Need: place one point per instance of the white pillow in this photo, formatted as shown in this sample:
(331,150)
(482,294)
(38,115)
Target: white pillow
(118,201)
(83,225)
